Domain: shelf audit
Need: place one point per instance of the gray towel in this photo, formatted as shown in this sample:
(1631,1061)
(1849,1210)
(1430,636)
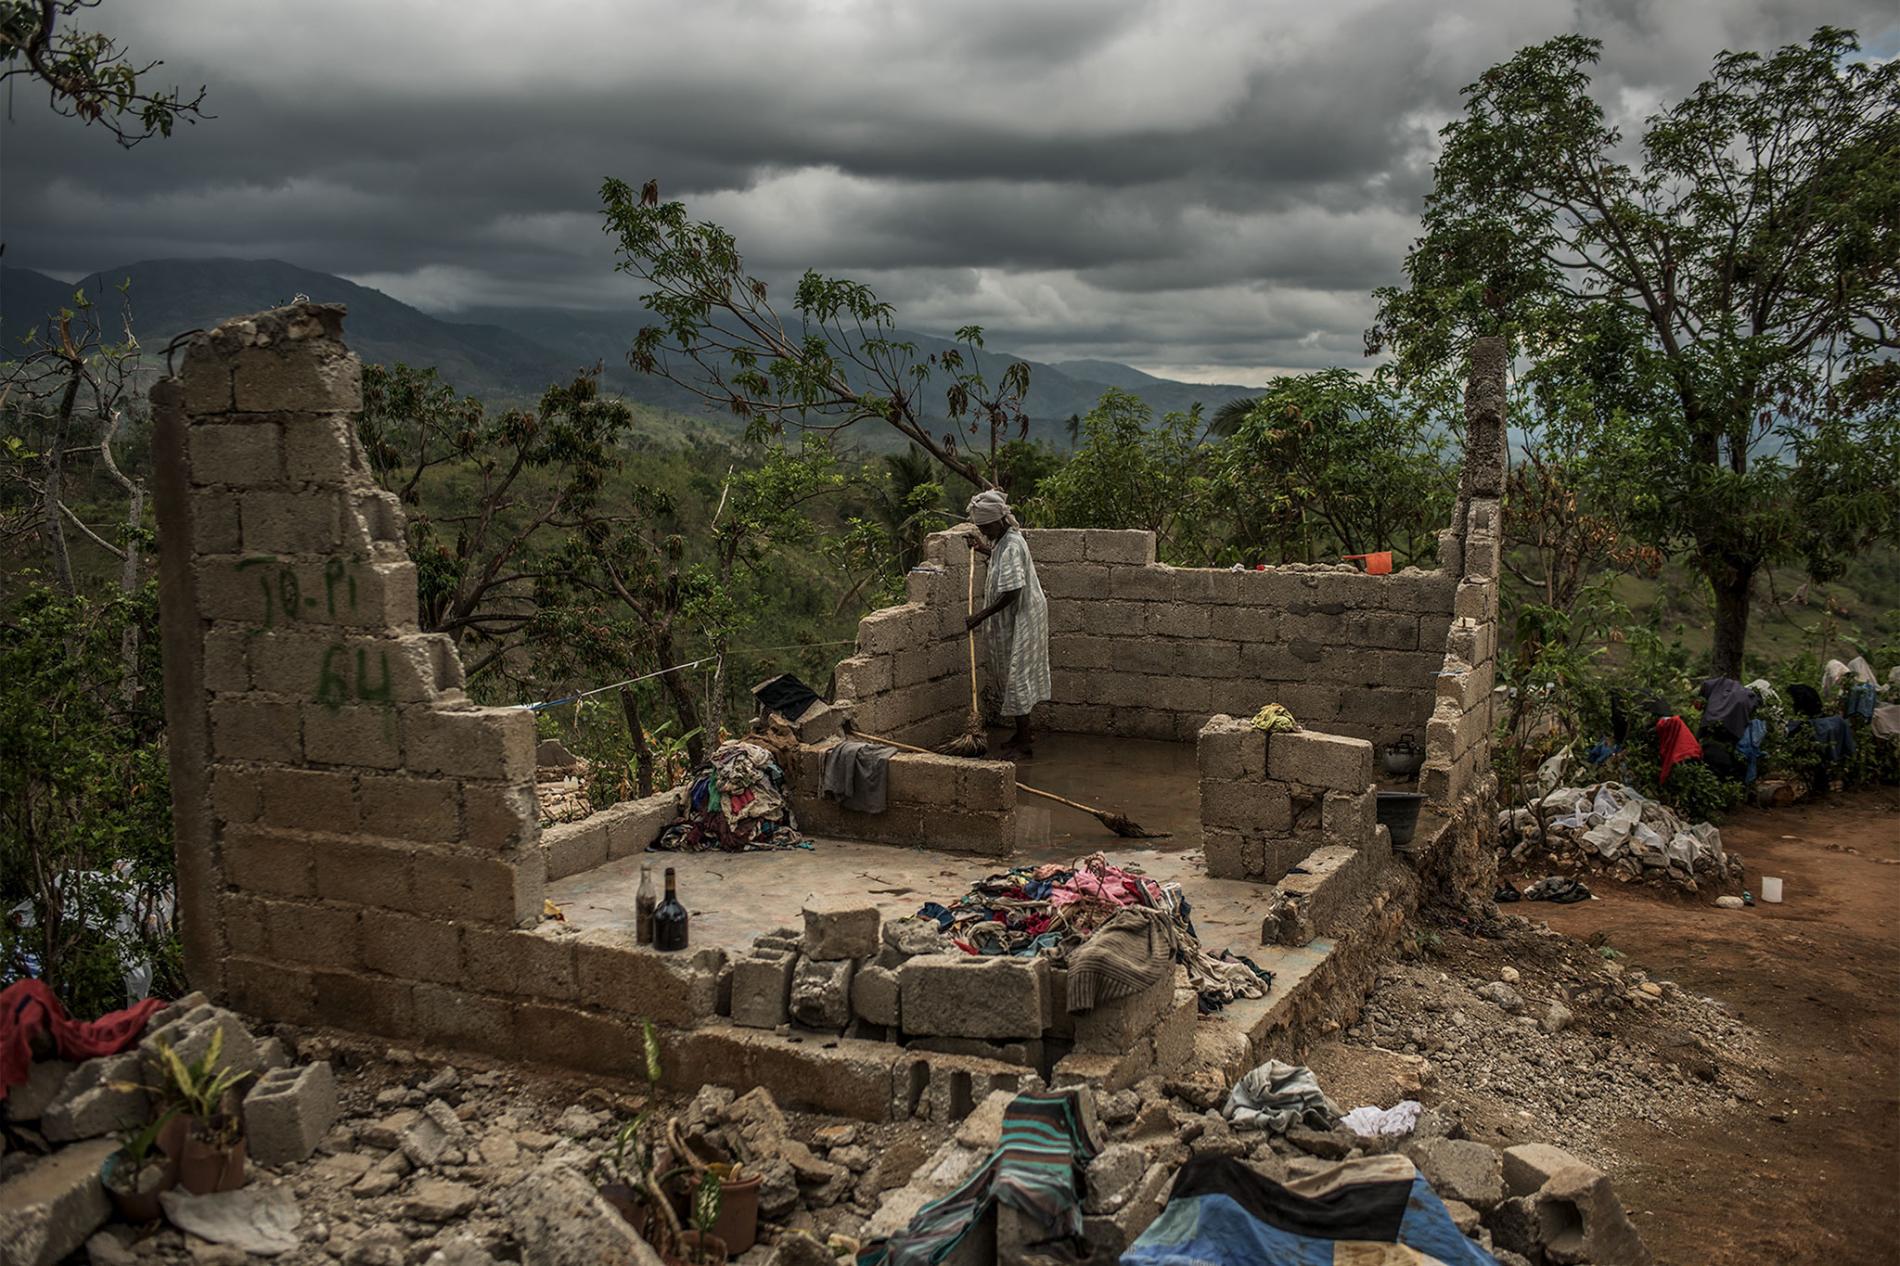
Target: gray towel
(856,775)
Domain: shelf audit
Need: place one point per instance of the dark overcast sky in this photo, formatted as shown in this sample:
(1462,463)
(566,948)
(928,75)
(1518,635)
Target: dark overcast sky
(1201,188)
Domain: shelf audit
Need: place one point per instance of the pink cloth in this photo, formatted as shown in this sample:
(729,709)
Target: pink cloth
(1676,744)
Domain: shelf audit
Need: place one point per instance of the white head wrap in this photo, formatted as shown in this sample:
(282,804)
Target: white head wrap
(989,506)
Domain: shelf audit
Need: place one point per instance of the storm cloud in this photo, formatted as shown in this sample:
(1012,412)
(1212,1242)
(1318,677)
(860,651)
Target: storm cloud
(1206,189)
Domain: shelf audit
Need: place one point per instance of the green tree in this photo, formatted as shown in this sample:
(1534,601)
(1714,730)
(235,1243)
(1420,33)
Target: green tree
(1334,462)
(1129,473)
(719,336)
(1719,300)
(88,75)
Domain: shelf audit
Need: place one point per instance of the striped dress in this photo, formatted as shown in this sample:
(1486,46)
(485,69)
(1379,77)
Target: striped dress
(1018,635)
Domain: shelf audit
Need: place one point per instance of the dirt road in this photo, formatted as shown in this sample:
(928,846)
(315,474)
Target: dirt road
(1812,1174)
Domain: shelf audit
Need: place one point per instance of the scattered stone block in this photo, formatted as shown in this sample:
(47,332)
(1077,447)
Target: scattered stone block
(45,1078)
(837,927)
(762,990)
(560,1220)
(1460,1170)
(1314,759)
(100,1097)
(438,1200)
(51,1209)
(1529,1166)
(874,996)
(821,992)
(288,1112)
(1117,1025)
(958,995)
(914,936)
(1580,1220)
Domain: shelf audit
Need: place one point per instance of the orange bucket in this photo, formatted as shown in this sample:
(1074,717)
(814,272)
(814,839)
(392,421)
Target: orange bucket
(1379,564)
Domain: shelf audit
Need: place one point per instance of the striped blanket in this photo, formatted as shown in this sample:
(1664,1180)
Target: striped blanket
(1047,1141)
(1372,1212)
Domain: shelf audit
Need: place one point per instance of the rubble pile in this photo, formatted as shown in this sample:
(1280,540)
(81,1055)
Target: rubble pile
(1542,1036)
(1610,827)
(560,783)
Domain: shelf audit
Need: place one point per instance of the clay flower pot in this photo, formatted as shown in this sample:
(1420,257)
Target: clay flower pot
(208,1167)
(136,1198)
(738,1222)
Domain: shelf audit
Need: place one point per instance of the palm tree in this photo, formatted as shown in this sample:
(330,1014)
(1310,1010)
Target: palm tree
(1228,417)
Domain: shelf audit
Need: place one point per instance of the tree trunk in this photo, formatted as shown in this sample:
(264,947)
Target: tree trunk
(129,585)
(55,530)
(642,751)
(1732,593)
(716,704)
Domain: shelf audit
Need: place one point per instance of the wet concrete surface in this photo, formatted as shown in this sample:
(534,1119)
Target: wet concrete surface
(734,898)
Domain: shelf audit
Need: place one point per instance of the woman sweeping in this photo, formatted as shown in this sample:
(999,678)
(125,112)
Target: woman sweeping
(1017,616)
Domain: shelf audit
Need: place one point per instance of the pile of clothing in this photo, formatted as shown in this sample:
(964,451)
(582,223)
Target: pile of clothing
(1114,928)
(737,804)
(1614,826)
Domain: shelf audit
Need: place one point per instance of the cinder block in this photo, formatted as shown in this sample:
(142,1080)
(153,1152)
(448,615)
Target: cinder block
(405,808)
(214,523)
(762,990)
(290,522)
(1230,749)
(365,872)
(840,927)
(269,593)
(634,824)
(1475,600)
(99,1097)
(874,996)
(1246,806)
(1316,759)
(1172,1040)
(573,847)
(893,629)
(244,728)
(619,975)
(264,860)
(478,888)
(1348,817)
(821,992)
(1120,1023)
(462,1018)
(961,995)
(320,449)
(498,816)
(374,1004)
(288,1112)
(362,736)
(236,794)
(470,742)
(1114,546)
(314,935)
(417,949)
(534,964)
(48,1210)
(1081,582)
(237,455)
(309,799)
(311,376)
(988,834)
(1055,545)
(591,1041)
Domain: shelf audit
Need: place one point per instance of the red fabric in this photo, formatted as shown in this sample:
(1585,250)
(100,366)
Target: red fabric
(28,1008)
(1676,743)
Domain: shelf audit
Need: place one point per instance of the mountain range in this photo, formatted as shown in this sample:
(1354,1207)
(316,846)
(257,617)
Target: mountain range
(501,354)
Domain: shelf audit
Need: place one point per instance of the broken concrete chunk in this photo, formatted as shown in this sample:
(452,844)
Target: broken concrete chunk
(44,1080)
(255,1219)
(559,1220)
(1580,1220)
(914,936)
(438,1200)
(840,927)
(55,1206)
(1460,1170)
(190,1036)
(436,1137)
(821,992)
(1529,1166)
(874,995)
(288,1112)
(959,995)
(99,1097)
(1113,1177)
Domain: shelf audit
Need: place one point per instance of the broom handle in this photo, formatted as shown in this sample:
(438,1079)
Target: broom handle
(970,607)
(1021,786)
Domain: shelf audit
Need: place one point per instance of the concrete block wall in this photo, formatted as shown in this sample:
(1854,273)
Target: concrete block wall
(1267,801)
(910,677)
(608,834)
(943,802)
(357,843)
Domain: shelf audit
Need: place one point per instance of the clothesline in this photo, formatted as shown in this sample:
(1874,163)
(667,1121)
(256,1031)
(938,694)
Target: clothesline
(691,663)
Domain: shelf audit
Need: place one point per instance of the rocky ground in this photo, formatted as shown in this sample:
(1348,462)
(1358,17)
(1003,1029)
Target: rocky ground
(1533,1035)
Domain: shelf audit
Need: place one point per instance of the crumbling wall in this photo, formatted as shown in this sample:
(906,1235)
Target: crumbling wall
(942,802)
(357,843)
(1267,801)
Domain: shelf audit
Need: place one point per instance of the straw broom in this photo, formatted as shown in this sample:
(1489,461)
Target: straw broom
(975,739)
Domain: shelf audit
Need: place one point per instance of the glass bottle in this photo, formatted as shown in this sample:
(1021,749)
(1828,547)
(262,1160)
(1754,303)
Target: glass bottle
(643,903)
(669,920)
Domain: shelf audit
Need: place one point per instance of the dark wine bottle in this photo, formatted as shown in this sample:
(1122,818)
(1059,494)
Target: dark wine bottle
(669,920)
(644,903)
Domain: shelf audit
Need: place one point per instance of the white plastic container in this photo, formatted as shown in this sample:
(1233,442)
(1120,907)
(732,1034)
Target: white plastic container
(1771,890)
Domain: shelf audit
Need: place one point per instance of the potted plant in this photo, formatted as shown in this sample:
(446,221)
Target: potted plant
(700,1244)
(626,1172)
(211,1157)
(139,1172)
(738,1223)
